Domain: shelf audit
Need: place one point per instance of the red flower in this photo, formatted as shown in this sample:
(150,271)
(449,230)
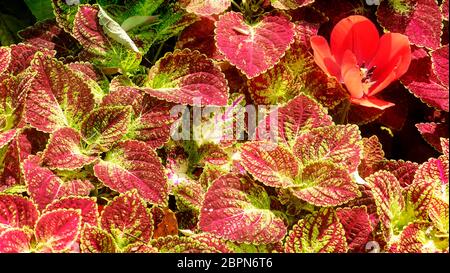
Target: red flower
(363,61)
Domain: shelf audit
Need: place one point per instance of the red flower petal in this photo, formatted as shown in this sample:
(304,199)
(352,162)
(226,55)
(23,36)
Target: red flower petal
(357,34)
(391,61)
(372,102)
(323,57)
(351,75)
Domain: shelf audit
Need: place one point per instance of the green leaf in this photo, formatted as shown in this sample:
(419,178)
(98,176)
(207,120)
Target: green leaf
(41,9)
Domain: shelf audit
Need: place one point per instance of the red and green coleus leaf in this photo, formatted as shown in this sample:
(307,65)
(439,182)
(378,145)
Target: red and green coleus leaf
(296,73)
(439,58)
(15,240)
(104,126)
(317,232)
(290,4)
(444,147)
(207,7)
(6,137)
(338,143)
(64,151)
(27,141)
(48,34)
(88,31)
(246,46)
(187,77)
(272,164)
(439,214)
(423,82)
(419,196)
(22,55)
(285,80)
(324,184)
(388,197)
(357,226)
(86,206)
(5,58)
(58,230)
(299,115)
(435,171)
(102,37)
(372,155)
(444,9)
(151,119)
(134,165)
(127,219)
(252,248)
(433,132)
(176,244)
(58,97)
(320,183)
(200,36)
(13,92)
(404,171)
(420,20)
(419,237)
(16,212)
(65,13)
(139,247)
(189,194)
(222,246)
(96,240)
(239,210)
(44,186)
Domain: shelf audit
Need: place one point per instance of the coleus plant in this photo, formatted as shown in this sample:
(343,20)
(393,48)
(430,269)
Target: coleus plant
(92,99)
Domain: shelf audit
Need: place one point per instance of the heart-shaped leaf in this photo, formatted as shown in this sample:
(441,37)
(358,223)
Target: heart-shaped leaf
(372,155)
(127,219)
(404,171)
(388,196)
(96,240)
(104,126)
(42,184)
(324,184)
(247,46)
(87,206)
(58,97)
(58,229)
(338,143)
(16,212)
(151,119)
(64,151)
(272,164)
(187,77)
(317,232)
(239,210)
(134,165)
(300,114)
(357,227)
(88,31)
(15,240)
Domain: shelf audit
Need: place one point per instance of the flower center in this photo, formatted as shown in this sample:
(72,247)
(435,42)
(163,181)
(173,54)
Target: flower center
(366,74)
